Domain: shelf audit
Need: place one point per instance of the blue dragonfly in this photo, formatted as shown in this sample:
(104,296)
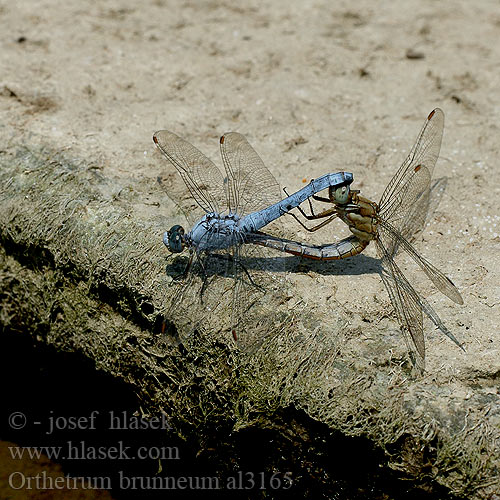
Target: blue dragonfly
(226,213)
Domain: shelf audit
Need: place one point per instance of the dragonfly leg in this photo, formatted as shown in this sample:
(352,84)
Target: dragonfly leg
(238,263)
(300,209)
(324,213)
(205,278)
(228,258)
(250,277)
(312,215)
(206,274)
(318,226)
(203,287)
(329,212)
(322,199)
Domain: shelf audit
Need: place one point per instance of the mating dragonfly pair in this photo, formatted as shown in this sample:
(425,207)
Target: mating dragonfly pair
(230,211)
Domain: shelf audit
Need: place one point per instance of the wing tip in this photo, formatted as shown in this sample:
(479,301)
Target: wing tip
(417,360)
(434,112)
(454,294)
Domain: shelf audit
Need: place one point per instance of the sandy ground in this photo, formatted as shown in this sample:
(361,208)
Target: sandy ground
(316,87)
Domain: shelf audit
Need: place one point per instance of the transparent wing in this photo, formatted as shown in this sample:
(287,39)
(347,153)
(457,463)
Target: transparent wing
(422,211)
(237,291)
(406,197)
(171,182)
(409,306)
(405,301)
(202,180)
(258,295)
(392,239)
(250,185)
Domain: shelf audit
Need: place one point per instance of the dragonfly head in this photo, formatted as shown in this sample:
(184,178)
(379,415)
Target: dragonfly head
(174,239)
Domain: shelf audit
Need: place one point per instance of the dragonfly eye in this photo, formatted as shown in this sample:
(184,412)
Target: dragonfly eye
(174,239)
(342,195)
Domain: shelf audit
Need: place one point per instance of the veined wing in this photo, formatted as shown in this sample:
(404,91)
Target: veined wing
(232,290)
(409,220)
(420,213)
(410,186)
(391,238)
(252,296)
(406,303)
(203,181)
(210,297)
(250,185)
(409,306)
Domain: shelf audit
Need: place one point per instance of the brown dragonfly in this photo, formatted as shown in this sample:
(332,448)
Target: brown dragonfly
(399,215)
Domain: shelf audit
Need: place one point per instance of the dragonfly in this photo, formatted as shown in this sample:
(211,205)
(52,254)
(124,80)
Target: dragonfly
(225,212)
(396,218)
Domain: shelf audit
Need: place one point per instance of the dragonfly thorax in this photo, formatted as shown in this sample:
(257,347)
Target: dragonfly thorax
(361,215)
(215,232)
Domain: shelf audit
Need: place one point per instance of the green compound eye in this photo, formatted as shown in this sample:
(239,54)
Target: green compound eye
(342,195)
